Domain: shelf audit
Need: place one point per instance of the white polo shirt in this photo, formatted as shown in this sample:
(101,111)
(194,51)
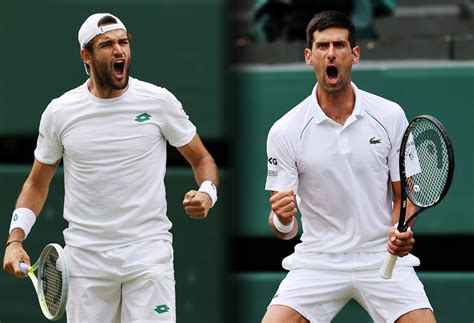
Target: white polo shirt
(114,155)
(342,176)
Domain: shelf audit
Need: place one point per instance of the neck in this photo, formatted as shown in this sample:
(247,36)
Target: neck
(337,106)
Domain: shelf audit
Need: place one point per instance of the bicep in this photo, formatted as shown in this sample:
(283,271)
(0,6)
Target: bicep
(282,172)
(194,151)
(41,174)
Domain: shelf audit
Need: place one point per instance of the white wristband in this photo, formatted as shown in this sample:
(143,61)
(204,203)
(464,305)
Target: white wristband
(282,227)
(24,219)
(209,188)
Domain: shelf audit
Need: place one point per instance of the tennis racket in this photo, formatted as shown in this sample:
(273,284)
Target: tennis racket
(51,282)
(426,170)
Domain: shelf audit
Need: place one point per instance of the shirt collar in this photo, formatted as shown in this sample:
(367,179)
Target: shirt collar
(320,116)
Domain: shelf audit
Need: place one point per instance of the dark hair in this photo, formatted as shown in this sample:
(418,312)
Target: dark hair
(330,19)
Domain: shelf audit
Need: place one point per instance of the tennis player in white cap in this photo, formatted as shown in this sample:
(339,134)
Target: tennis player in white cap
(111,133)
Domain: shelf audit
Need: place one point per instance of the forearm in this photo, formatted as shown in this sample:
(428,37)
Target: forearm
(35,189)
(32,197)
(400,243)
(206,169)
(198,203)
(395,213)
(410,210)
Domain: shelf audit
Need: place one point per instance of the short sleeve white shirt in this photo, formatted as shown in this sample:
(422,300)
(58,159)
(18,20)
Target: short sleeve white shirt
(114,156)
(341,174)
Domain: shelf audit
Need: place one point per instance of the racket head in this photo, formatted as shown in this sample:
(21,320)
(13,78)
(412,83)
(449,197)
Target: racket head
(53,281)
(426,163)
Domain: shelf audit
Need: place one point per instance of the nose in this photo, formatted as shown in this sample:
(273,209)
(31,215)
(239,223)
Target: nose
(118,50)
(331,53)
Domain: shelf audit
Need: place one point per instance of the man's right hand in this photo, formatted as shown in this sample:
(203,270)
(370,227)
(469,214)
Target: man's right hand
(14,254)
(283,204)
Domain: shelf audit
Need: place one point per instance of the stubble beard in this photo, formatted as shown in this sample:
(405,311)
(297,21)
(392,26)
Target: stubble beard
(337,89)
(104,76)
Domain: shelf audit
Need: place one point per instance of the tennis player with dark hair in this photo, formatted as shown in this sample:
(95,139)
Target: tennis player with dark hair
(111,133)
(335,157)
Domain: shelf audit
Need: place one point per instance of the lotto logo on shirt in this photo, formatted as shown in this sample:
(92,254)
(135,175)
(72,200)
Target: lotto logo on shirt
(142,117)
(160,309)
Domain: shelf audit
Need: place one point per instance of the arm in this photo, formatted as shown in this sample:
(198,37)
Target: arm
(32,196)
(197,204)
(283,207)
(400,243)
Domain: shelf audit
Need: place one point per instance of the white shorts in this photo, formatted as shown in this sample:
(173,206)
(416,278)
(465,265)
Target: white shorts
(134,283)
(319,295)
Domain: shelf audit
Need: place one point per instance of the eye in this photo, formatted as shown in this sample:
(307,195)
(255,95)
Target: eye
(105,45)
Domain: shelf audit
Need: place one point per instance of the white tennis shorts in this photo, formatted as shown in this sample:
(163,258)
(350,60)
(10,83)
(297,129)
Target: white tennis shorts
(319,295)
(134,283)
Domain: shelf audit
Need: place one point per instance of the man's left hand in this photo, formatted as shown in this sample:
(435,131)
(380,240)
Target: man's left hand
(400,243)
(197,204)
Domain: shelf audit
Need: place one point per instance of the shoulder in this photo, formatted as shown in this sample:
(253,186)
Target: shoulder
(294,121)
(152,91)
(60,108)
(71,97)
(387,113)
(380,106)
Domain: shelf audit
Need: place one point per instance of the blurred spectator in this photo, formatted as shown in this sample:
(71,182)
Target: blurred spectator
(286,20)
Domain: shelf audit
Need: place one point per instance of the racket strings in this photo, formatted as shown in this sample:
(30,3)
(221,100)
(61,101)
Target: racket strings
(52,282)
(427,153)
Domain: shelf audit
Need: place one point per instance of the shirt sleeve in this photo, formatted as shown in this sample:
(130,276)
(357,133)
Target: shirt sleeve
(177,128)
(48,147)
(400,124)
(282,172)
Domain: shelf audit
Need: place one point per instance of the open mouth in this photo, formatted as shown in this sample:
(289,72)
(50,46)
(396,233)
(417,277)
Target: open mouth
(119,68)
(332,72)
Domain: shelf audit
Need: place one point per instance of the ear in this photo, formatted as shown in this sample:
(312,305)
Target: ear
(86,56)
(307,56)
(355,55)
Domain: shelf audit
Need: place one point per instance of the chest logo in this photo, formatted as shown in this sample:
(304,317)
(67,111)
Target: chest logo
(374,141)
(160,309)
(142,117)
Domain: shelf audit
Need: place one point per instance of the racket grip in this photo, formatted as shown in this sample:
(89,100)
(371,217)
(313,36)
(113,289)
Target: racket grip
(387,267)
(24,267)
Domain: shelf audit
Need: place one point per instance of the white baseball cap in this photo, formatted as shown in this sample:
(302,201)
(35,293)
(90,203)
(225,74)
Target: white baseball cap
(90,28)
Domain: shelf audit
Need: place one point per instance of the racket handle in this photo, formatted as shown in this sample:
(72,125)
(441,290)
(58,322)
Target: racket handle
(387,267)
(24,267)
